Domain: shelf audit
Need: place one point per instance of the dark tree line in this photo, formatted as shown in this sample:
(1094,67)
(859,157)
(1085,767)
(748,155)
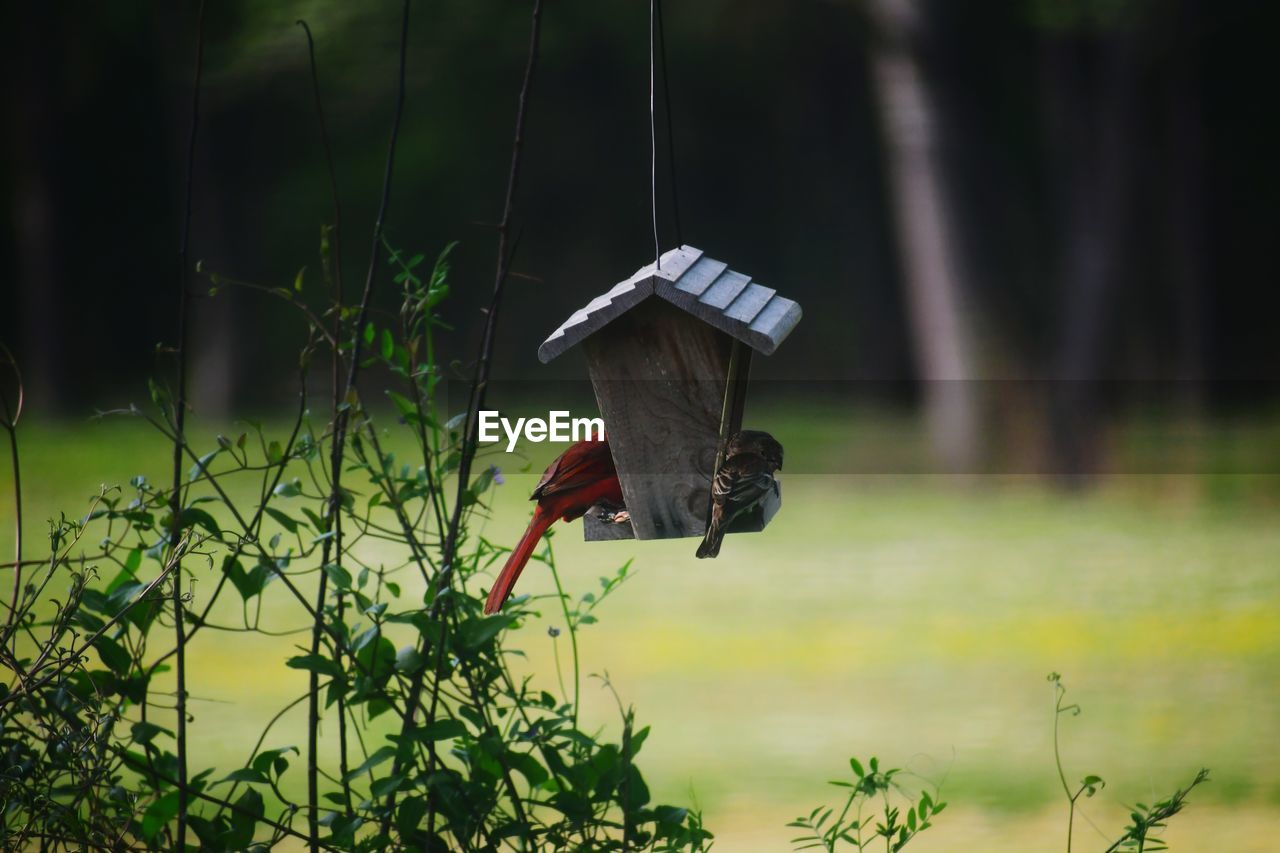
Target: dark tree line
(1092,197)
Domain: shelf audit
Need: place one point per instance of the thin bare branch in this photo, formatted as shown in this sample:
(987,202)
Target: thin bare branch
(179,420)
(11,417)
(342,411)
(476,402)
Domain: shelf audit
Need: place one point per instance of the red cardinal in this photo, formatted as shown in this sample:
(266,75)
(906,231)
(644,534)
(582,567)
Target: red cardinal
(582,476)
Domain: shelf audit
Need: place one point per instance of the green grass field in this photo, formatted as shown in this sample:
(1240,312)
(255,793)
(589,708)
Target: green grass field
(906,616)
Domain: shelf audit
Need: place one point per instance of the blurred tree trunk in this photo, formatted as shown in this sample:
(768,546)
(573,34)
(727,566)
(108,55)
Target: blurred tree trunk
(1090,96)
(1187,226)
(214,323)
(35,147)
(926,234)
(214,337)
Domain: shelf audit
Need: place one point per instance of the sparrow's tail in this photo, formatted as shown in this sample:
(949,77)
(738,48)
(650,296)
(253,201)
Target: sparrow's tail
(519,556)
(710,546)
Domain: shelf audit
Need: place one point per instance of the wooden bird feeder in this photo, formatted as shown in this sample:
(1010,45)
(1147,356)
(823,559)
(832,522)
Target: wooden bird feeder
(669,351)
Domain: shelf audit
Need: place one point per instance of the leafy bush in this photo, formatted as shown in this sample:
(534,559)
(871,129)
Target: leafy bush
(1145,821)
(475,757)
(890,825)
(95,753)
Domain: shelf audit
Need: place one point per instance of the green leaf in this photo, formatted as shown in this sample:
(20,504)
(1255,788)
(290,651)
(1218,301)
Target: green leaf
(246,774)
(338,576)
(159,394)
(92,599)
(192,516)
(475,633)
(122,596)
(275,453)
(343,831)
(116,658)
(386,785)
(243,820)
(638,739)
(437,730)
(273,760)
(297,281)
(316,521)
(289,490)
(380,756)
(315,663)
(364,638)
(857,767)
(572,805)
(436,295)
(336,690)
(247,584)
(388,345)
(670,814)
(634,792)
(159,813)
(530,769)
(409,815)
(404,405)
(208,831)
(285,521)
(378,659)
(146,732)
(202,465)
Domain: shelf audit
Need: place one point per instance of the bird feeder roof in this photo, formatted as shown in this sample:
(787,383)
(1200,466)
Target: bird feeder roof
(700,285)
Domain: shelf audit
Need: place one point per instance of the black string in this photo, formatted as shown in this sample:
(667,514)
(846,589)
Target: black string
(653,142)
(671,140)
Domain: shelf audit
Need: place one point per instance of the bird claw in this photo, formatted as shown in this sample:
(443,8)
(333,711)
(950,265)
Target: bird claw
(613,516)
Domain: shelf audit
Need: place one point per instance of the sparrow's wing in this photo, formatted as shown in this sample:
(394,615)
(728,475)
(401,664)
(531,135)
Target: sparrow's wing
(741,483)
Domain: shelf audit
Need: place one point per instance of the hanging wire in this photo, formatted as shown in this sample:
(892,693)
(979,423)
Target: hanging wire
(653,138)
(671,139)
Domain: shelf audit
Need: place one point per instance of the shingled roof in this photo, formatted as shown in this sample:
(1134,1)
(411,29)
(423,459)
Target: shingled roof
(701,285)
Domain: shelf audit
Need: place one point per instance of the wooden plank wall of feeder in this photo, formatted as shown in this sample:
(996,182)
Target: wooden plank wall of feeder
(659,379)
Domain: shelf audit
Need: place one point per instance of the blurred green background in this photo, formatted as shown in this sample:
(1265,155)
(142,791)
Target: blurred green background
(1032,413)
(913,617)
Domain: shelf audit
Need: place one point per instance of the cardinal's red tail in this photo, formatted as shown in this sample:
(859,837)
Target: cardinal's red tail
(519,556)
